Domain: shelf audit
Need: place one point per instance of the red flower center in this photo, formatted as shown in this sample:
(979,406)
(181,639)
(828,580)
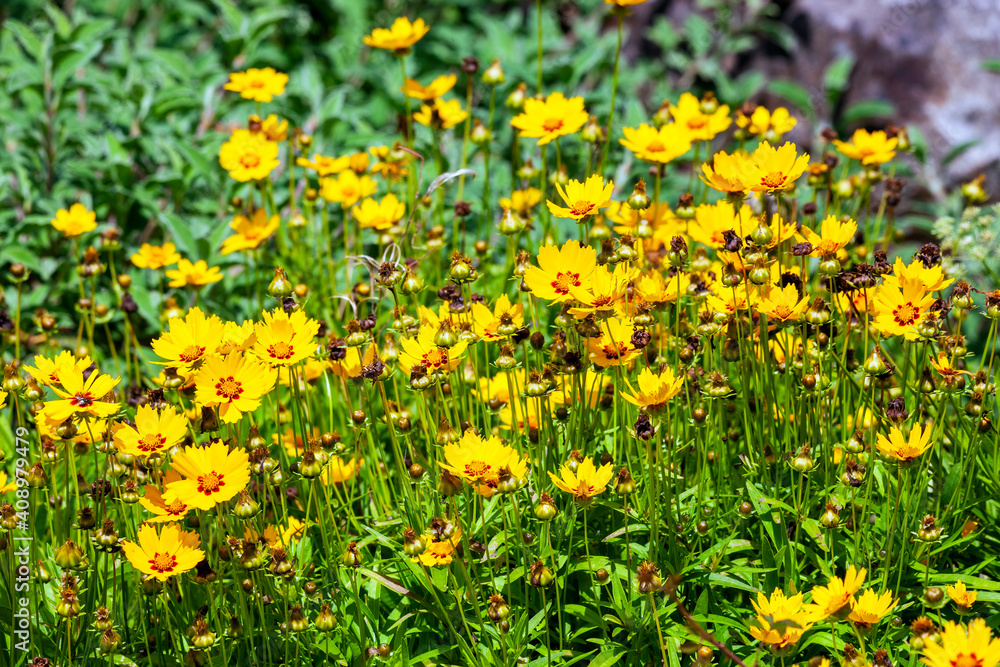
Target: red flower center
(210,483)
(229,388)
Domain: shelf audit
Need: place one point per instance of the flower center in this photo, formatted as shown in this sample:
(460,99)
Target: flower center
(436,357)
(257,83)
(552,124)
(82,401)
(655,146)
(280,350)
(151,442)
(773,180)
(582,208)
(782,312)
(163,562)
(584,490)
(564,281)
(967,661)
(615,351)
(250,160)
(176,507)
(229,388)
(210,483)
(476,469)
(191,353)
(906,314)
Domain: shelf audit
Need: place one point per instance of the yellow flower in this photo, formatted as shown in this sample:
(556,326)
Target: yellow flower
(189,339)
(712,220)
(725,174)
(164,555)
(584,199)
(700,126)
(483,463)
(5,486)
(781,621)
(900,307)
(834,234)
(624,3)
(605,290)
(347,189)
(163,512)
(782,304)
(961,596)
(768,124)
(522,201)
(272,127)
(434,89)
(250,232)
(234,383)
(390,162)
(770,169)
(154,431)
(499,323)
(586,483)
(836,597)
(293,531)
(559,269)
(401,36)
(194,275)
(49,371)
(933,278)
(614,346)
(260,85)
(651,288)
(551,118)
(441,115)
(211,475)
(869,147)
(438,553)
(339,471)
(350,366)
(973,646)
(655,389)
(905,449)
(379,215)
(659,146)
(323,165)
(77,220)
(283,339)
(248,156)
(82,398)
(155,257)
(422,350)
(869,608)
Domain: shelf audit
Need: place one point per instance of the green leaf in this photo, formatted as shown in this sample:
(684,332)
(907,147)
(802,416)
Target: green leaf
(866,110)
(837,76)
(992,66)
(795,94)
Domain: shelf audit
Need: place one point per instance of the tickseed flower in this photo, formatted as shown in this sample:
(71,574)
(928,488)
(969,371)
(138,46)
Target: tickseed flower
(164,555)
(49,371)
(379,215)
(973,646)
(339,471)
(440,114)
(770,169)
(154,431)
(933,278)
(604,291)
(346,189)
(711,221)
(614,346)
(658,146)
(766,123)
(905,449)
(559,269)
(76,221)
(869,608)
(234,383)
(248,156)
(586,483)
(624,3)
(189,339)
(551,118)
(401,36)
(350,366)
(836,597)
(162,511)
(194,275)
(156,257)
(323,165)
(283,339)
(522,201)
(655,389)
(81,398)
(260,85)
(277,535)
(481,462)
(422,350)
(900,307)
(781,621)
(700,126)
(834,234)
(250,232)
(211,475)
(869,147)
(438,553)
(725,173)
(5,486)
(782,304)
(434,89)
(272,127)
(961,596)
(584,199)
(499,323)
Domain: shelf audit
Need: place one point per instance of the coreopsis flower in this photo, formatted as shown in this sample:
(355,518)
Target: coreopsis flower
(834,234)
(651,288)
(155,257)
(522,201)
(423,351)
(400,37)
(250,231)
(559,269)
(353,362)
(5,485)
(165,554)
(584,199)
(234,384)
(731,302)
(585,388)
(438,552)
(259,85)
(711,221)
(655,389)
(154,431)
(900,307)
(933,278)
(347,189)
(551,118)
(481,462)
(700,126)
(189,339)
(391,163)
(277,535)
(973,646)
(323,165)
(725,173)
(210,475)
(81,398)
(248,156)
(624,3)
(441,114)
(197,274)
(435,89)
(76,221)
(869,147)
(379,215)
(614,346)
(284,339)
(658,146)
(869,608)
(586,483)
(606,289)
(49,371)
(164,512)
(339,470)
(272,127)
(835,598)
(782,304)
(905,449)
(770,169)
(781,621)
(962,596)
(765,123)
(499,323)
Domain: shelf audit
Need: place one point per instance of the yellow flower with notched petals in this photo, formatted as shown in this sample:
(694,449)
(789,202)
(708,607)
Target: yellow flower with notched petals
(323,165)
(347,189)
(584,199)
(210,475)
(905,449)
(869,608)
(162,511)
(770,169)
(422,350)
(401,36)
(655,389)
(156,257)
(614,346)
(250,232)
(834,233)
(764,123)
(725,173)
(284,339)
(248,156)
(482,463)
(900,307)
(79,397)
(586,483)
(432,91)
(869,147)
(234,383)
(75,221)
(972,646)
(499,323)
(559,269)
(165,554)
(441,115)
(658,146)
(379,215)
(781,621)
(154,431)
(260,85)
(551,118)
(836,597)
(782,304)
(49,371)
(189,339)
(197,274)
(962,596)
(700,126)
